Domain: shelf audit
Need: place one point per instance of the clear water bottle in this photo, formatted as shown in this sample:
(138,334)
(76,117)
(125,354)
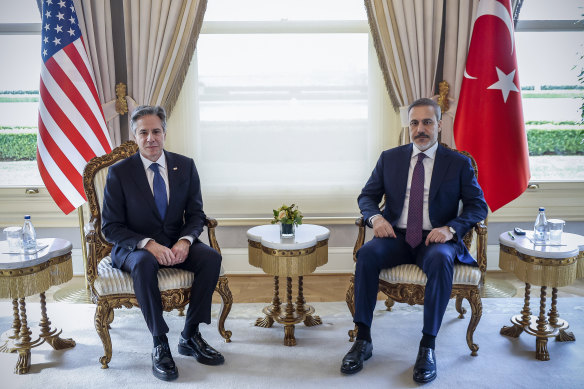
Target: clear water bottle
(540,229)
(28,236)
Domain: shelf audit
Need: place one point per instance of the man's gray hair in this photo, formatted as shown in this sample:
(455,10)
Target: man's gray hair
(144,110)
(424,101)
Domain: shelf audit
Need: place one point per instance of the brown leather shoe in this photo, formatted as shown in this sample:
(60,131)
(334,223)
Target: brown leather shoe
(198,348)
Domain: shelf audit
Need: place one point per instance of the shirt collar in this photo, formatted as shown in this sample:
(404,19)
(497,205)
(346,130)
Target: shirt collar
(430,153)
(161,161)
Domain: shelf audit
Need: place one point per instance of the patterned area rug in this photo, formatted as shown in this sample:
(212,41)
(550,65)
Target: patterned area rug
(258,358)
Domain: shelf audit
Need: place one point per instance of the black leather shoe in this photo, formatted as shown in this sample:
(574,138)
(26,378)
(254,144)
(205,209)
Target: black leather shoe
(198,348)
(163,365)
(425,367)
(361,351)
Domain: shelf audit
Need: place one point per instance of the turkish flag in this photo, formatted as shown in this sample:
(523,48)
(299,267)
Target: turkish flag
(489,117)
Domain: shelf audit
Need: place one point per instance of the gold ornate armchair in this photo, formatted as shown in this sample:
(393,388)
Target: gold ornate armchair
(112,288)
(406,283)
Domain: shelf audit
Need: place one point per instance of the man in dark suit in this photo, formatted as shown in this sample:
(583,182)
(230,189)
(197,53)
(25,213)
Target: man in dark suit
(153,214)
(423,183)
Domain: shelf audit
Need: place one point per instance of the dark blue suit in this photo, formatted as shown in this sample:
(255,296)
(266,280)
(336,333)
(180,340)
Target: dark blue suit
(130,215)
(452,180)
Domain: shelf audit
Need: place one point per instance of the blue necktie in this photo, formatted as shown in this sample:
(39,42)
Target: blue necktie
(415,222)
(159,191)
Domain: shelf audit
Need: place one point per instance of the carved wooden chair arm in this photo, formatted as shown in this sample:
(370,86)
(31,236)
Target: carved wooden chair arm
(359,222)
(91,263)
(482,233)
(211,224)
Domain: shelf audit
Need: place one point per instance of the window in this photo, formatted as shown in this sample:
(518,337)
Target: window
(283,106)
(19,84)
(549,54)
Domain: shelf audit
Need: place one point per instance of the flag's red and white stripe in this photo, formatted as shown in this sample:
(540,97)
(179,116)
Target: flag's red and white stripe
(72,128)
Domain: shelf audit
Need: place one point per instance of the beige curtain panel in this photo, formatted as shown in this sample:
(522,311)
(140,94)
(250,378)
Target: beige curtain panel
(407,37)
(407,40)
(458,28)
(161,36)
(95,21)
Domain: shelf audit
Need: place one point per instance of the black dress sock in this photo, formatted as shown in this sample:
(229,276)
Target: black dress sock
(188,333)
(159,340)
(428,341)
(364,332)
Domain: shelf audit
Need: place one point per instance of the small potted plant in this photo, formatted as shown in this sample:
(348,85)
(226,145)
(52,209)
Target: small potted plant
(288,217)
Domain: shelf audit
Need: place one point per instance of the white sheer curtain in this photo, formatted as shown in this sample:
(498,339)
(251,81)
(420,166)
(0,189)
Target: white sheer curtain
(407,39)
(160,36)
(96,26)
(458,28)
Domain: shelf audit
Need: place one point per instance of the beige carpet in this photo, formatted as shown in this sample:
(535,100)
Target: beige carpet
(257,358)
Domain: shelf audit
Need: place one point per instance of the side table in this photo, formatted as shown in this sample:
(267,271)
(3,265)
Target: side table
(550,265)
(288,257)
(23,275)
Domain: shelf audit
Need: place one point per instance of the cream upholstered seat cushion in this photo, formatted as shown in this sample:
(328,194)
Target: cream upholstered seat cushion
(413,274)
(115,281)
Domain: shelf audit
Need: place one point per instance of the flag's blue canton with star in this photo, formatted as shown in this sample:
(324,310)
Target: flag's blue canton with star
(72,128)
(59,27)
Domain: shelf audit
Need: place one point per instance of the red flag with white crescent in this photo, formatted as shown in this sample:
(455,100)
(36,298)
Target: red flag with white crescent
(489,118)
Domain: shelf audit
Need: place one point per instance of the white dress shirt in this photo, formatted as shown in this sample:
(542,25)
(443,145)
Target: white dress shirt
(150,176)
(428,167)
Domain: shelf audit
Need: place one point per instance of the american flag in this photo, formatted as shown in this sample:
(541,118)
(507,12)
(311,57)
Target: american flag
(72,128)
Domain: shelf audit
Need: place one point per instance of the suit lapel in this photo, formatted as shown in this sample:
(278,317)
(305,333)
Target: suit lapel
(441,164)
(142,186)
(173,180)
(402,172)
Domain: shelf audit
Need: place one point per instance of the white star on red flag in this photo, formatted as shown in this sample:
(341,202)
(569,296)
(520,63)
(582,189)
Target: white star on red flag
(487,126)
(505,83)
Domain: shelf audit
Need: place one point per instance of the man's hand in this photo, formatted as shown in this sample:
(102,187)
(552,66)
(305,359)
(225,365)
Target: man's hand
(181,250)
(439,235)
(163,254)
(382,228)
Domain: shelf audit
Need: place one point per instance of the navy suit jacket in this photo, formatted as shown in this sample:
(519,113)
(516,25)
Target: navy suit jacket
(129,213)
(453,179)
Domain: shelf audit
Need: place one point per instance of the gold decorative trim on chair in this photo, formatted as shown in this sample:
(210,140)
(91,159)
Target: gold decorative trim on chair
(100,274)
(405,284)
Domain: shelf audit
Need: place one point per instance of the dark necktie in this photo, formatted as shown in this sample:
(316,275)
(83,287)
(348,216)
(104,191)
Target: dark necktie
(159,190)
(414,227)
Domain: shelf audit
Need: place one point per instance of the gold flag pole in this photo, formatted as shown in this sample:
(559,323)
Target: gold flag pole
(74,292)
(83,242)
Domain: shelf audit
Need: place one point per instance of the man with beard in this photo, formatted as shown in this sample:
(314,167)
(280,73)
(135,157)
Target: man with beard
(423,183)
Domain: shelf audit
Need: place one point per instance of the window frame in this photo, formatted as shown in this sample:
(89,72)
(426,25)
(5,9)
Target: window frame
(566,197)
(381,114)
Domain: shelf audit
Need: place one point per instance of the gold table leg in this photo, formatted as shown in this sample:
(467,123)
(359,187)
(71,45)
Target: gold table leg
(7,341)
(520,322)
(271,310)
(21,342)
(541,351)
(292,314)
(52,336)
(289,317)
(556,322)
(306,310)
(539,326)
(24,343)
